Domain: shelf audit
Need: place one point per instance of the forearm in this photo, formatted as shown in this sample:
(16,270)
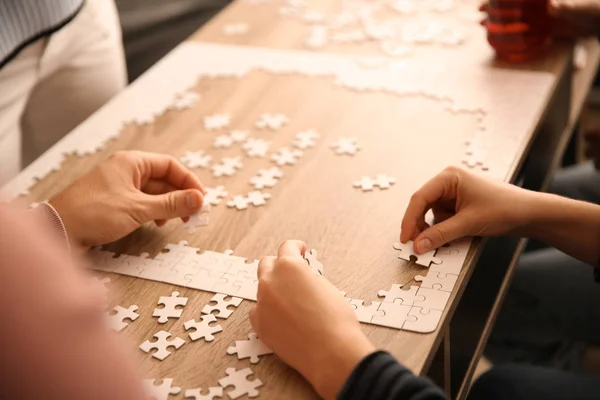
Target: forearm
(569,225)
(380,377)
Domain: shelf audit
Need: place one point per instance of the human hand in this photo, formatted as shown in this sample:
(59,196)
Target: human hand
(467,205)
(304,319)
(592,148)
(124,192)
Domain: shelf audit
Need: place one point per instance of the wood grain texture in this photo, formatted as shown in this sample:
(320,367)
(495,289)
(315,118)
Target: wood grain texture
(408,138)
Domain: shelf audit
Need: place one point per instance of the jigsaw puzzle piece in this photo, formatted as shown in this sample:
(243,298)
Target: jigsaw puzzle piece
(221,305)
(437,280)
(366,313)
(196,393)
(242,385)
(251,348)
(426,321)
(395,315)
(161,344)
(407,252)
(432,299)
(203,329)
(156,270)
(162,391)
(116,320)
(205,280)
(170,309)
(453,256)
(399,295)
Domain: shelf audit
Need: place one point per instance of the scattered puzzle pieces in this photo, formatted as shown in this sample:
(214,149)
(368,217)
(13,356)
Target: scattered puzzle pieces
(407,251)
(256,147)
(286,156)
(213,196)
(202,328)
(221,305)
(227,167)
(271,121)
(239,380)
(382,181)
(306,139)
(251,348)
(162,391)
(170,309)
(345,146)
(116,320)
(255,198)
(196,159)
(196,393)
(216,121)
(266,178)
(161,345)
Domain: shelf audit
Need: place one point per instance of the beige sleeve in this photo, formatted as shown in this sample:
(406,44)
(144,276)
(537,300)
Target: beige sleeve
(55,343)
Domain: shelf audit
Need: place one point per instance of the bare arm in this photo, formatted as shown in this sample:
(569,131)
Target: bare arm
(569,225)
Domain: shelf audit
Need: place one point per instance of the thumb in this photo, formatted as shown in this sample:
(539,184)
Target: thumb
(437,235)
(175,204)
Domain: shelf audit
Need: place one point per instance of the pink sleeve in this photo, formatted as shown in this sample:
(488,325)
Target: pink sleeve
(55,343)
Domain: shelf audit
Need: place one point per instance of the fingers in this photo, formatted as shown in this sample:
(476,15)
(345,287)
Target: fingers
(265,266)
(176,204)
(444,232)
(291,248)
(166,168)
(442,186)
(156,186)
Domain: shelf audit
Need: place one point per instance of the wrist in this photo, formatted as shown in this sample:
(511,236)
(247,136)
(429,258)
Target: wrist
(335,362)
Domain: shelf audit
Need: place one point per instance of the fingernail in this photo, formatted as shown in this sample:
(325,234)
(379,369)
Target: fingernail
(191,199)
(424,245)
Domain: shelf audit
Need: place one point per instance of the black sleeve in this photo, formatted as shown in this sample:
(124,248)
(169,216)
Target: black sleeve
(380,377)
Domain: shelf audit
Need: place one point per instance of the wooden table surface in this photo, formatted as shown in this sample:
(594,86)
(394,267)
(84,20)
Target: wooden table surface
(411,138)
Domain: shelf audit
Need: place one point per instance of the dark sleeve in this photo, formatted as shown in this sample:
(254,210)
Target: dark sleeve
(380,377)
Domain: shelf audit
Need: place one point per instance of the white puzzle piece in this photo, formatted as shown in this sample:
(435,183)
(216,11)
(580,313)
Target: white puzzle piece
(306,139)
(366,313)
(431,299)
(437,280)
(345,146)
(425,323)
(170,309)
(286,156)
(256,147)
(311,256)
(266,178)
(239,136)
(196,393)
(251,348)
(223,142)
(255,198)
(203,329)
(221,306)
(161,345)
(394,315)
(196,159)
(407,251)
(198,219)
(382,181)
(227,167)
(398,295)
(213,196)
(272,121)
(117,320)
(216,121)
(184,100)
(162,391)
(242,385)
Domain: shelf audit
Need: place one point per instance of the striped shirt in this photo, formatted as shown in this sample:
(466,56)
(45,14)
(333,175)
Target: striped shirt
(24,21)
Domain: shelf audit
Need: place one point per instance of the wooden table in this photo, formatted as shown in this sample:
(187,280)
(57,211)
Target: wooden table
(409,137)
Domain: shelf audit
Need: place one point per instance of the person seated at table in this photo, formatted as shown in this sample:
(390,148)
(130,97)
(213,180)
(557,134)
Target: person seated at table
(539,307)
(55,321)
(303,318)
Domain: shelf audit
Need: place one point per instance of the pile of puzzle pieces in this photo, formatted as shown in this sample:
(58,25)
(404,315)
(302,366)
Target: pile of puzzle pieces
(204,330)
